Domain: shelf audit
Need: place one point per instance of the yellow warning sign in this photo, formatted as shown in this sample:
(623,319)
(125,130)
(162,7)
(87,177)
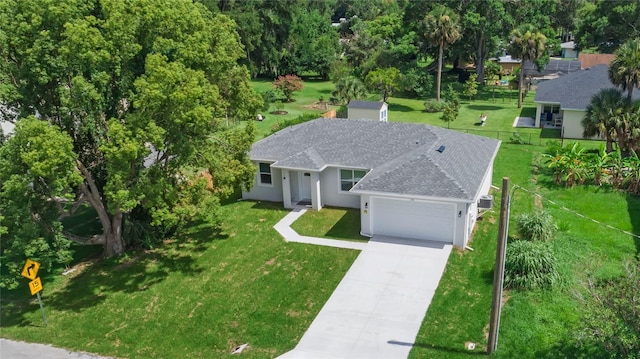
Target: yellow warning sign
(30,269)
(35,286)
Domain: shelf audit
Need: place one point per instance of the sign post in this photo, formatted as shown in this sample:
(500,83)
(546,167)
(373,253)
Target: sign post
(30,271)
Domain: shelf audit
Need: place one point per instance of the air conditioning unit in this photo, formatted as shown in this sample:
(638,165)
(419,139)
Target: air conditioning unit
(485,202)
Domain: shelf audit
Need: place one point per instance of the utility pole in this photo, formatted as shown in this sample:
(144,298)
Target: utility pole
(498,272)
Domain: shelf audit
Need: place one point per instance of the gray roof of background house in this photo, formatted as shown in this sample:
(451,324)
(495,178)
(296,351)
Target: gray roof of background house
(574,91)
(568,45)
(366,105)
(402,157)
(553,67)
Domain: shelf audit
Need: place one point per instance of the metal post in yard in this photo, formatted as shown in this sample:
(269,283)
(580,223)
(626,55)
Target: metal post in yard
(498,273)
(44,318)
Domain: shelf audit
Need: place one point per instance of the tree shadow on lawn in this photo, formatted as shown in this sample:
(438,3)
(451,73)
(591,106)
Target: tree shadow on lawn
(347,227)
(143,270)
(440,348)
(550,133)
(400,108)
(484,107)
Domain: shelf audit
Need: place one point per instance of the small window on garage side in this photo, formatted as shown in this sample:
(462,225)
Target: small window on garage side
(265,174)
(349,178)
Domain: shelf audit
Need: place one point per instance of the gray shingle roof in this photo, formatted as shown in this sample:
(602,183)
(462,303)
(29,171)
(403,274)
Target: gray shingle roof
(402,157)
(366,105)
(574,91)
(553,67)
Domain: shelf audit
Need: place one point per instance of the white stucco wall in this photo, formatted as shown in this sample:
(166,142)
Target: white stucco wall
(271,193)
(356,113)
(330,190)
(572,124)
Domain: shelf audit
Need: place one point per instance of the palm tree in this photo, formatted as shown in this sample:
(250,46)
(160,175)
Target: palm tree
(349,88)
(442,27)
(602,113)
(526,45)
(625,68)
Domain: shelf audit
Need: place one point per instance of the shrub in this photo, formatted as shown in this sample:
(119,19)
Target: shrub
(612,314)
(530,265)
(536,226)
(434,106)
(516,138)
(293,121)
(288,85)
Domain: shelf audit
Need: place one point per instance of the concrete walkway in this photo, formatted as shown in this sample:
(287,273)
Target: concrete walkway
(378,307)
(10,349)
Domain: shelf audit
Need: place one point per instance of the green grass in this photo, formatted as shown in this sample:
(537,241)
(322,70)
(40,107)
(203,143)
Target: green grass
(312,91)
(499,103)
(536,324)
(196,297)
(205,293)
(336,223)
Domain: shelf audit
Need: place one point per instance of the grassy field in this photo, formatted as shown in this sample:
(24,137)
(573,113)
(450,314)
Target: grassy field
(537,324)
(196,297)
(202,294)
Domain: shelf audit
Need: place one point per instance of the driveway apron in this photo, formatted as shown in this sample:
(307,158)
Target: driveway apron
(378,307)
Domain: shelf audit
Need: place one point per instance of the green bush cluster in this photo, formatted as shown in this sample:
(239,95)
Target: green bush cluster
(530,265)
(433,106)
(293,121)
(573,165)
(536,226)
(530,262)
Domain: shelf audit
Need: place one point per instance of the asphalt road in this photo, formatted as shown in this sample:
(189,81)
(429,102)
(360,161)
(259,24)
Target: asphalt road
(10,349)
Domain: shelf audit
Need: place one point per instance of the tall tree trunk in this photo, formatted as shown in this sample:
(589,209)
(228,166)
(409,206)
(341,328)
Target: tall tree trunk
(480,56)
(609,145)
(440,51)
(111,224)
(520,83)
(114,245)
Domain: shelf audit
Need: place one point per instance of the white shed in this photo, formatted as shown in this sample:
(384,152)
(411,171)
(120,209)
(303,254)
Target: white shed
(370,110)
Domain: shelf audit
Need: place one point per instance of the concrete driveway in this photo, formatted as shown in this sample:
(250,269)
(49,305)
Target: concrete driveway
(378,307)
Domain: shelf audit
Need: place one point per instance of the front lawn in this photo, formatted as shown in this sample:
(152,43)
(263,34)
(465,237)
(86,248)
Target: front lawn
(335,223)
(197,296)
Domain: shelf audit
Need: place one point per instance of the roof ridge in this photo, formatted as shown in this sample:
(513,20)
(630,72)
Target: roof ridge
(446,174)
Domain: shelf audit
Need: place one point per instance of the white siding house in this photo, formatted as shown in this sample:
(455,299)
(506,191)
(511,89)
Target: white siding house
(409,180)
(371,110)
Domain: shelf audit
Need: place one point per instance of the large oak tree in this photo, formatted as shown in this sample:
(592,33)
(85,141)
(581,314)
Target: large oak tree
(121,106)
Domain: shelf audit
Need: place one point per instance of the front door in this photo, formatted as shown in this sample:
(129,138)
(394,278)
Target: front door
(305,187)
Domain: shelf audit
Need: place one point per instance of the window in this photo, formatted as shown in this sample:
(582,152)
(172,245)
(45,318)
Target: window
(349,178)
(265,174)
(383,115)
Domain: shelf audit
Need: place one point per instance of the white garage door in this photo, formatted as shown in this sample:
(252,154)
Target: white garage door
(413,219)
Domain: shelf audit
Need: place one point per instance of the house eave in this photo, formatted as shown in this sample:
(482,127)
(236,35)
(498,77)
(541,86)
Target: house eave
(412,196)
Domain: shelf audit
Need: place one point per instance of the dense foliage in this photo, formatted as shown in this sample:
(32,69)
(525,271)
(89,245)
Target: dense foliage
(125,108)
(530,265)
(573,165)
(536,226)
(612,320)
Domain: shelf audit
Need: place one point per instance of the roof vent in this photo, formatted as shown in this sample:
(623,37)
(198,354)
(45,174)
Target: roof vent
(440,149)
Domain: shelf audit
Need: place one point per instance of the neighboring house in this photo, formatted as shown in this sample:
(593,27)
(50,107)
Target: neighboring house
(563,101)
(553,69)
(408,180)
(590,60)
(568,50)
(508,64)
(372,110)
